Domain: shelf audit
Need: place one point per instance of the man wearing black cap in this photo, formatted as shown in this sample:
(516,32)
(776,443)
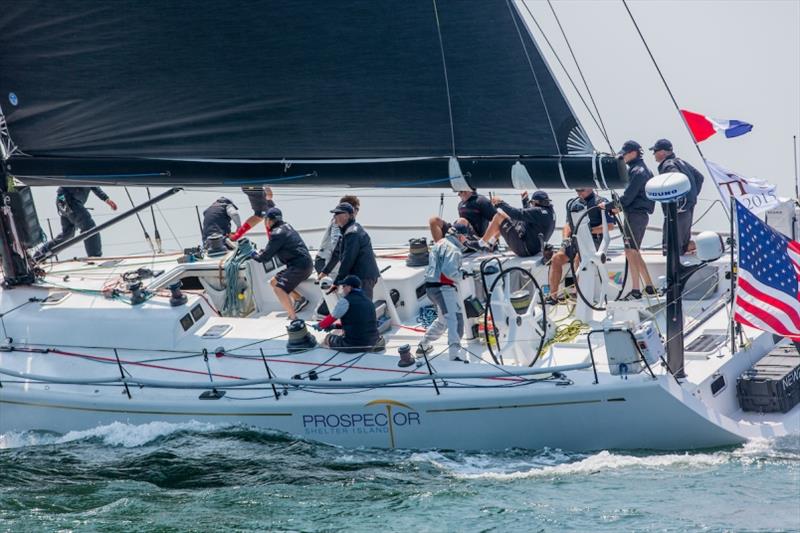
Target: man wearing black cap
(591,202)
(287,245)
(353,252)
(441,275)
(358,323)
(524,230)
(473,208)
(218,216)
(637,209)
(668,162)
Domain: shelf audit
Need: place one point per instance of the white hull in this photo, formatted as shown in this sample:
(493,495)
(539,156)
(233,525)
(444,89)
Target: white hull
(75,340)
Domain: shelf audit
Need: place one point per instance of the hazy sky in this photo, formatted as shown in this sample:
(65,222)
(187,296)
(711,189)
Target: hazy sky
(727,59)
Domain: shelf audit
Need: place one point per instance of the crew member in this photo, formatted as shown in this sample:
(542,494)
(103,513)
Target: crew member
(473,208)
(441,275)
(587,199)
(353,252)
(358,323)
(288,246)
(70,202)
(218,216)
(524,229)
(260,198)
(332,235)
(636,208)
(668,162)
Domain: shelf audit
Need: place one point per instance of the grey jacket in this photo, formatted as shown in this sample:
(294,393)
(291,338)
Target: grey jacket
(444,258)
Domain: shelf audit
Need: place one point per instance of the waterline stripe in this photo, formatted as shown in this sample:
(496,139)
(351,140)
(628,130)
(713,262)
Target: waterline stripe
(517,406)
(138,411)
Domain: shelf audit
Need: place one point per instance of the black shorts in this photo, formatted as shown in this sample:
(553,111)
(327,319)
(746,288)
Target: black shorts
(572,249)
(257,199)
(514,233)
(290,277)
(635,226)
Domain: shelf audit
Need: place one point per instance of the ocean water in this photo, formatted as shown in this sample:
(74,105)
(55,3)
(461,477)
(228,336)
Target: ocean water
(201,477)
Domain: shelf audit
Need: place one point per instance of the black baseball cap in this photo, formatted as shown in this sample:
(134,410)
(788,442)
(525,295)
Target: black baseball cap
(352,280)
(460,229)
(274,213)
(343,207)
(630,146)
(540,196)
(661,144)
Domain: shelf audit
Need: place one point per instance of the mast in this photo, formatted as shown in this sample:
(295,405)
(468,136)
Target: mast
(16,266)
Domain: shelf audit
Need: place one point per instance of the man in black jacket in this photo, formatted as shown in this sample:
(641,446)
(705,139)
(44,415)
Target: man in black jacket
(70,202)
(637,209)
(218,216)
(521,228)
(667,162)
(358,323)
(353,252)
(287,245)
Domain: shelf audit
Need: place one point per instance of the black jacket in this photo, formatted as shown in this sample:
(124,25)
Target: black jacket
(287,245)
(79,195)
(634,199)
(359,323)
(478,211)
(354,254)
(537,219)
(217,219)
(675,164)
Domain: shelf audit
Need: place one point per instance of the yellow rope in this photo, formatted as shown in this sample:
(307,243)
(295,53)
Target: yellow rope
(566,333)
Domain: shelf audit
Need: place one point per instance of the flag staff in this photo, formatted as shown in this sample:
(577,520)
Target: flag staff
(796,177)
(732,240)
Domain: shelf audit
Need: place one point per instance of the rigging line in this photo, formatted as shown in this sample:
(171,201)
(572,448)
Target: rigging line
(169,227)
(536,79)
(139,218)
(672,96)
(446,79)
(580,71)
(564,68)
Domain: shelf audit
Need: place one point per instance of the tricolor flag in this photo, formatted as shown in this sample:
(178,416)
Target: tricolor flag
(703,127)
(767,287)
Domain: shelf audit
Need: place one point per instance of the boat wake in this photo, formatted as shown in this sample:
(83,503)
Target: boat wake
(557,463)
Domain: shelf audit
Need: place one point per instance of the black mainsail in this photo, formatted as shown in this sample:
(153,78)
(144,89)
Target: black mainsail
(357,92)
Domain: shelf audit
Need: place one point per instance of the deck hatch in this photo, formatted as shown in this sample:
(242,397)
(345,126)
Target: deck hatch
(217,331)
(707,342)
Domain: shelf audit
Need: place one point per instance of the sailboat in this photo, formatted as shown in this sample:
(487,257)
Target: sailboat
(436,94)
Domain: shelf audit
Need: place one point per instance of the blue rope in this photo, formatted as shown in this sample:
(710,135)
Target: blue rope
(259,181)
(426,316)
(413,183)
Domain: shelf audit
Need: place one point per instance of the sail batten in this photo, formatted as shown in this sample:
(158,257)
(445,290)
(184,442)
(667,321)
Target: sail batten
(274,81)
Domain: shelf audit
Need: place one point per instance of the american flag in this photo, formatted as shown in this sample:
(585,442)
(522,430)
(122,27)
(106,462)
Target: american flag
(767,296)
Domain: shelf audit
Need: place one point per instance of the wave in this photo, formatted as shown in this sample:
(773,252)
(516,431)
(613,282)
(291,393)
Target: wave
(555,463)
(120,434)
